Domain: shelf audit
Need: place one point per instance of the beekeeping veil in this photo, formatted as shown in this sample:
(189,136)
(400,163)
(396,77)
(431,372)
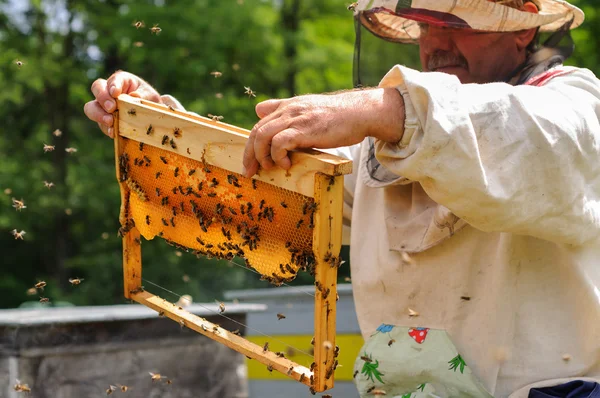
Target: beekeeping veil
(398,22)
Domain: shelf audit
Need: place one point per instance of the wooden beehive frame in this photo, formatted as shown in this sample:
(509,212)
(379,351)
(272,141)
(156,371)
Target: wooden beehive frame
(315,174)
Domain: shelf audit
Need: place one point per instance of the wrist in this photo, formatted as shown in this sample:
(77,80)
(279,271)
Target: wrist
(388,115)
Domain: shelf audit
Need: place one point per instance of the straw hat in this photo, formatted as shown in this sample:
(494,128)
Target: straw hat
(398,20)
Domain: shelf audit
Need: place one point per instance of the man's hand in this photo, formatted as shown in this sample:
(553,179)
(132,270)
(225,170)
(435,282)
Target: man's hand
(105,91)
(321,121)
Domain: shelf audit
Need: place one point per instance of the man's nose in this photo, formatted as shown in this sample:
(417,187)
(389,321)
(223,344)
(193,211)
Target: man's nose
(435,40)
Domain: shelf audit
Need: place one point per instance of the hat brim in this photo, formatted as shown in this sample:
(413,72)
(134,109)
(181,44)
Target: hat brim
(398,20)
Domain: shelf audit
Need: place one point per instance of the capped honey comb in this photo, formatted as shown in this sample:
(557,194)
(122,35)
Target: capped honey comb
(217,213)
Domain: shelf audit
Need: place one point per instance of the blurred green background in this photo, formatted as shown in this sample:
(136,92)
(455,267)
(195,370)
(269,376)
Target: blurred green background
(279,48)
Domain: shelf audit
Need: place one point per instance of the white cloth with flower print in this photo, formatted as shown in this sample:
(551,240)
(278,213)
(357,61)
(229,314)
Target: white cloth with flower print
(415,362)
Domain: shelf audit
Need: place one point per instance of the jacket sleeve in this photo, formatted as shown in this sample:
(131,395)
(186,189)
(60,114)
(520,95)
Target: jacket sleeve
(518,159)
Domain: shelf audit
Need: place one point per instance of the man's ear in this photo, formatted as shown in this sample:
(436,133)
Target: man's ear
(524,37)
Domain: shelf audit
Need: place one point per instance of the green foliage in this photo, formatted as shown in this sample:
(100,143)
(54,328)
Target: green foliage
(279,49)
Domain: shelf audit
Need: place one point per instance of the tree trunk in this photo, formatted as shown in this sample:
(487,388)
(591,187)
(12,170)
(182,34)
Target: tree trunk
(291,22)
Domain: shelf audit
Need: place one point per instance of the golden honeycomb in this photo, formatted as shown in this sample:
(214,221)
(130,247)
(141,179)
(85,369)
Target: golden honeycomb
(211,211)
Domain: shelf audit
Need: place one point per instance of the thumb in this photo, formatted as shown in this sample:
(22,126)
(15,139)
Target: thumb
(267,107)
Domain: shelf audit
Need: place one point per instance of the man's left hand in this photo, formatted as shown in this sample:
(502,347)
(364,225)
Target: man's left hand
(321,121)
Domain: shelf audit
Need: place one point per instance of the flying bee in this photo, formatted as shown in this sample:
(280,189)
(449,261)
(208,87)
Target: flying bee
(155,29)
(149,130)
(20,387)
(216,74)
(266,347)
(40,285)
(392,341)
(44,300)
(176,171)
(312,341)
(165,139)
(57,133)
(48,148)
(352,6)
(412,313)
(236,332)
(138,24)
(280,317)
(48,184)
(270,368)
(221,308)
(164,160)
(111,389)
(177,132)
(18,204)
(123,388)
(173,145)
(181,323)
(168,381)
(155,376)
(19,63)
(75,281)
(249,92)
(131,112)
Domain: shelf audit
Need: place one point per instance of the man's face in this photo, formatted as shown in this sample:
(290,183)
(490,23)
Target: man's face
(474,57)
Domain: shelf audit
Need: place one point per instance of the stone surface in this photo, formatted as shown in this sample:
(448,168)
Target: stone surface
(78,359)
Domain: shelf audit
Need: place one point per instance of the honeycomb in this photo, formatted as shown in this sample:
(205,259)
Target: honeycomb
(213,212)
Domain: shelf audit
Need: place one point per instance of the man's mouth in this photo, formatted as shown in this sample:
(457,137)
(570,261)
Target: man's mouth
(443,60)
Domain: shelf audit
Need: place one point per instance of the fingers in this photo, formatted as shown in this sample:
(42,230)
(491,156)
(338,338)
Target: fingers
(281,145)
(267,107)
(95,112)
(249,163)
(262,140)
(99,89)
(122,82)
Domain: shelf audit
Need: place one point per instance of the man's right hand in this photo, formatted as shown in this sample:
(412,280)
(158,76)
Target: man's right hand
(106,91)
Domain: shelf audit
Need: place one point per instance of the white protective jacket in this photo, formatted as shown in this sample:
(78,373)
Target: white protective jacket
(497,202)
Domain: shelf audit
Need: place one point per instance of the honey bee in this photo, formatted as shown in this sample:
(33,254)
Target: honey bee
(221,308)
(168,381)
(20,387)
(299,223)
(280,317)
(57,133)
(48,184)
(70,150)
(48,148)
(164,201)
(352,6)
(177,132)
(214,182)
(312,341)
(215,118)
(270,368)
(254,184)
(18,204)
(132,112)
(173,144)
(111,389)
(216,74)
(191,172)
(188,151)
(19,63)
(165,139)
(155,376)
(312,389)
(219,95)
(123,388)
(44,300)
(266,347)
(212,194)
(161,314)
(75,281)
(164,160)
(157,191)
(176,171)
(165,223)
(366,358)
(465,298)
(138,24)
(283,204)
(173,221)
(249,92)
(355,373)
(18,235)
(181,323)
(412,313)
(302,377)
(370,389)
(149,130)
(155,29)
(236,332)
